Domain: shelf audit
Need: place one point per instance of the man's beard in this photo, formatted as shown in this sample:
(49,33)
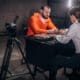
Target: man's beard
(45,17)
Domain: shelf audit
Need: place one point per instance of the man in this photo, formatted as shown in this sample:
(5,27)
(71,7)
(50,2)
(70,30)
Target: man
(40,23)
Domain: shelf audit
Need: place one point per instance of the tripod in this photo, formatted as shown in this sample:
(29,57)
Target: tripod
(7,56)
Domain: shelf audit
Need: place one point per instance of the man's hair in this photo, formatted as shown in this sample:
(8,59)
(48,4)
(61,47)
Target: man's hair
(75,12)
(42,7)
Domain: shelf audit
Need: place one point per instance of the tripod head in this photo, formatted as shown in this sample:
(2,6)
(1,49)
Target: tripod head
(11,27)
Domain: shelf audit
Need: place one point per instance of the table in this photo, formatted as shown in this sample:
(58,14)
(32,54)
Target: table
(42,51)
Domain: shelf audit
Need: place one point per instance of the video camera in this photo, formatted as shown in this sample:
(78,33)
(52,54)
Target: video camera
(11,27)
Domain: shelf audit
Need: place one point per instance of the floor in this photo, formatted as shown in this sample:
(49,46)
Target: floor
(16,67)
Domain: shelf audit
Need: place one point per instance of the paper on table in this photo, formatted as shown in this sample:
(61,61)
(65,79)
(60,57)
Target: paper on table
(58,37)
(41,36)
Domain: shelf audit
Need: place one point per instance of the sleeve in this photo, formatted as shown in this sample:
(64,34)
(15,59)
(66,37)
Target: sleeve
(67,37)
(35,26)
(51,25)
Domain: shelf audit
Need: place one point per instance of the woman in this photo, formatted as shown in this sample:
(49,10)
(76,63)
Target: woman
(74,35)
(74,30)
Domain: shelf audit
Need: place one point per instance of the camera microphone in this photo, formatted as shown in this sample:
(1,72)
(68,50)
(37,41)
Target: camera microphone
(11,27)
(15,19)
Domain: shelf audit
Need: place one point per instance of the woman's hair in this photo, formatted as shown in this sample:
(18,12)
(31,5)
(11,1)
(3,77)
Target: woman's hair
(75,12)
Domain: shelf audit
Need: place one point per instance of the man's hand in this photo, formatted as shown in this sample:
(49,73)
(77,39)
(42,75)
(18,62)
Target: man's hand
(53,31)
(57,31)
(50,31)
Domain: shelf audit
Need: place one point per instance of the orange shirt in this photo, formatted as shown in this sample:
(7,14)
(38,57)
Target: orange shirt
(36,26)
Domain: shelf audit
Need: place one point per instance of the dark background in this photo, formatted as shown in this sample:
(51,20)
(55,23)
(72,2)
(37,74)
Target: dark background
(10,8)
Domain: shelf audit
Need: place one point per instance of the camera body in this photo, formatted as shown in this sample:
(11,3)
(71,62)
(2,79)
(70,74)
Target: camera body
(11,27)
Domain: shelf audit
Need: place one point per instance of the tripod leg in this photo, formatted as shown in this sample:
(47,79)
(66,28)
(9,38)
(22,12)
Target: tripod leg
(11,74)
(25,59)
(6,59)
(52,75)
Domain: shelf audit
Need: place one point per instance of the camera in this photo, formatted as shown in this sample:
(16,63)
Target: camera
(11,27)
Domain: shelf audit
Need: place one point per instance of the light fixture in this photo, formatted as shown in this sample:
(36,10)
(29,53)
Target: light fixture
(69,3)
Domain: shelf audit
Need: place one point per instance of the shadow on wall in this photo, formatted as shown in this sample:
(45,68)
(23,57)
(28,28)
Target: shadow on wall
(23,24)
(61,22)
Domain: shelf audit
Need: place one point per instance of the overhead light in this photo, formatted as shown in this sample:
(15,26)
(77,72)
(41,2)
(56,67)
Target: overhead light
(69,3)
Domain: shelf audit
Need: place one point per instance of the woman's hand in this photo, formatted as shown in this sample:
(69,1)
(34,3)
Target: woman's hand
(63,31)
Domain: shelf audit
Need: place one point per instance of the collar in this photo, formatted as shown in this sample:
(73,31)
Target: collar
(76,22)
